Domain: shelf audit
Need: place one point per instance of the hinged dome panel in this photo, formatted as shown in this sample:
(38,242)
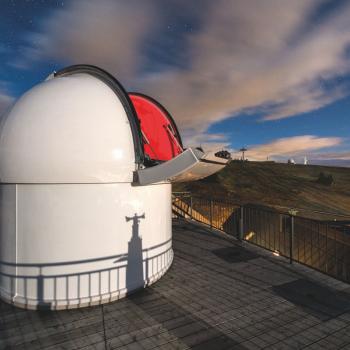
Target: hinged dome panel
(71,129)
(162,140)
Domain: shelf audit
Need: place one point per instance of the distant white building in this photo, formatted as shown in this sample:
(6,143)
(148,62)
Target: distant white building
(291,161)
(306,162)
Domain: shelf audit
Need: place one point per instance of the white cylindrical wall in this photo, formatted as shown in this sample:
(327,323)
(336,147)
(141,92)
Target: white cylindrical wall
(72,245)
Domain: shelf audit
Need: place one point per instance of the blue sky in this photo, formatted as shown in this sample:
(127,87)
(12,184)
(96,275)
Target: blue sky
(271,75)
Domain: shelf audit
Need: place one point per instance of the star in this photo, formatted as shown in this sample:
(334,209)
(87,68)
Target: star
(188,27)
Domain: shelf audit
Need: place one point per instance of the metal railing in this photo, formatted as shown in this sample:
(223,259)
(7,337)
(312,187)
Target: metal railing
(323,245)
(83,281)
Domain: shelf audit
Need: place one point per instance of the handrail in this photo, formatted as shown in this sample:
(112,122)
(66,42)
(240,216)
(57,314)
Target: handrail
(323,245)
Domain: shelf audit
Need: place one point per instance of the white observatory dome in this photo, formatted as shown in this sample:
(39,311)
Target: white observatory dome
(69,129)
(85,213)
(74,228)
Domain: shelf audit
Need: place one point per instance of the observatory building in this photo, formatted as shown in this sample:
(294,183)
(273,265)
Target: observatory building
(85,190)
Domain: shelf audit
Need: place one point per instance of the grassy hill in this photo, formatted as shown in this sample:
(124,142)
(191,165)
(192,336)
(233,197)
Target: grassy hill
(275,184)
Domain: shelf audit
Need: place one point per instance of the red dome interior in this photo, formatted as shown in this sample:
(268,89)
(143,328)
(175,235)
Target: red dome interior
(161,138)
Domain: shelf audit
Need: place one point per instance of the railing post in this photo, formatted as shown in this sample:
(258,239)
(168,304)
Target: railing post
(211,214)
(292,213)
(241,227)
(191,206)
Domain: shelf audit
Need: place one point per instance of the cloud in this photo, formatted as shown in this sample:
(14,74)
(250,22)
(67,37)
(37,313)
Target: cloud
(105,33)
(270,56)
(331,155)
(290,147)
(303,101)
(250,55)
(209,142)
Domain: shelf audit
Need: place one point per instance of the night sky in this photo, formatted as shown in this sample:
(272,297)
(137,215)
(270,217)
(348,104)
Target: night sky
(272,75)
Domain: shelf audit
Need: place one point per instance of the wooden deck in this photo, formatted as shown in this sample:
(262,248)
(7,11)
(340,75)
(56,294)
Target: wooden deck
(219,294)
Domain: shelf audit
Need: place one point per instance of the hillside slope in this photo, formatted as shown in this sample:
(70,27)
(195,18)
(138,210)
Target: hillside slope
(275,184)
